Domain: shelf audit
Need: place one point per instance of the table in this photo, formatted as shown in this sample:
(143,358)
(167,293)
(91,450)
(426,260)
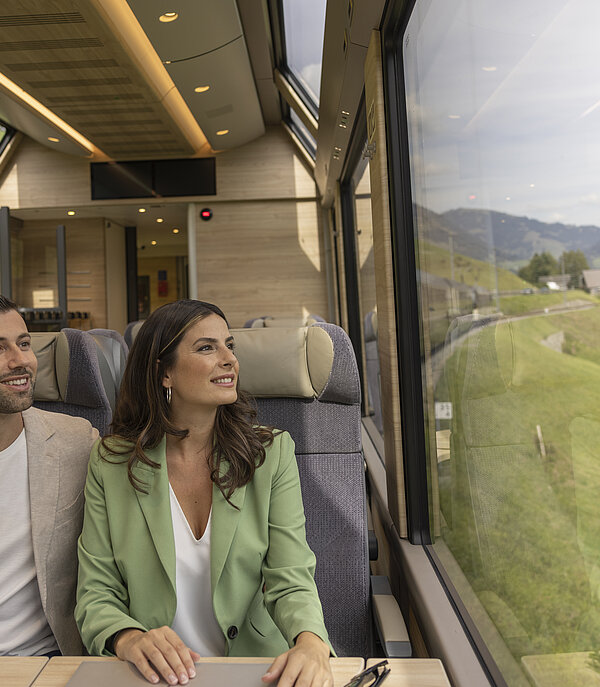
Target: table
(413,672)
(20,671)
(61,668)
(563,670)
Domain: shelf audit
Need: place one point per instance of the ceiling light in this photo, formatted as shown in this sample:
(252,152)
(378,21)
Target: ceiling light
(167,17)
(142,210)
(153,243)
(453,116)
(222,132)
(201,89)
(167,62)
(489,69)
(159,219)
(175,230)
(53,139)
(70,212)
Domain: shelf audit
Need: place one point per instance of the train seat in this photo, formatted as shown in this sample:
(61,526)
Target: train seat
(268,321)
(69,379)
(112,356)
(131,331)
(305,380)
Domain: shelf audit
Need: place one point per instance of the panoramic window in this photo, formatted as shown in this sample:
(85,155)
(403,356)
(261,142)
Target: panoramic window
(304,24)
(503,116)
(303,134)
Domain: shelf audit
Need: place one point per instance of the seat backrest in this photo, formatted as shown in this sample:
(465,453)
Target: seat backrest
(69,379)
(131,331)
(112,356)
(305,380)
(268,321)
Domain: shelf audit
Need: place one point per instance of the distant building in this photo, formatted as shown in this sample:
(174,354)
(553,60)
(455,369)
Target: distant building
(555,282)
(591,280)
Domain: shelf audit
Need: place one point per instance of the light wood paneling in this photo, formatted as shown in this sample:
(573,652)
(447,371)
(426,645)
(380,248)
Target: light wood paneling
(86,280)
(116,276)
(267,168)
(263,258)
(384,275)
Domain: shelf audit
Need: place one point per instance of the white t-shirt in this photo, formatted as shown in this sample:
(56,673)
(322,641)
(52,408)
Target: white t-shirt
(24,630)
(194,620)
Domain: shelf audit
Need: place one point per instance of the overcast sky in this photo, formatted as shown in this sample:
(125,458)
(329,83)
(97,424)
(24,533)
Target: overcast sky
(504,106)
(304,30)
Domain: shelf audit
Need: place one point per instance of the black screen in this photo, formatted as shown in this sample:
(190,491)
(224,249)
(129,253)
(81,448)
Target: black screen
(153,178)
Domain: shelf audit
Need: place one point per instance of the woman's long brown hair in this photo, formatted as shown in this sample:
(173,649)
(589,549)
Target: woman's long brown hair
(141,417)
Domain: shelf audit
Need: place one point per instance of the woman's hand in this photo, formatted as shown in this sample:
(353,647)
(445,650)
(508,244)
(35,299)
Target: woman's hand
(168,654)
(305,665)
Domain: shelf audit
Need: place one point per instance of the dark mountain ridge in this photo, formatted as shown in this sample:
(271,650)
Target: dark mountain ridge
(515,238)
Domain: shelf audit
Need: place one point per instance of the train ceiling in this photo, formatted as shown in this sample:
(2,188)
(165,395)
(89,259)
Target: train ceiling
(133,86)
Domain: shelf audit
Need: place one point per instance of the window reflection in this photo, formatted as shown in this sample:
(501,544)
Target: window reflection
(303,134)
(363,222)
(304,28)
(503,115)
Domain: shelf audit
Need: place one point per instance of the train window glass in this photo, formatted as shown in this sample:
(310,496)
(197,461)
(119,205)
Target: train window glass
(34,267)
(304,24)
(361,194)
(503,114)
(6,133)
(299,128)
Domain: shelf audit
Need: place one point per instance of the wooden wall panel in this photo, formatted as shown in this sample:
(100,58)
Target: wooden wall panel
(86,280)
(384,271)
(38,177)
(263,258)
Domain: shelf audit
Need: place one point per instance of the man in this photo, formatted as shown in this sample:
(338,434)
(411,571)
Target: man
(43,463)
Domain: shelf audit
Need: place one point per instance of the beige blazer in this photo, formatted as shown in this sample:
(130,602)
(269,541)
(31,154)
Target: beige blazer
(58,450)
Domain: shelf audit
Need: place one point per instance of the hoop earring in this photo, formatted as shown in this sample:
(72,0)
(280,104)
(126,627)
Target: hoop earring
(169,392)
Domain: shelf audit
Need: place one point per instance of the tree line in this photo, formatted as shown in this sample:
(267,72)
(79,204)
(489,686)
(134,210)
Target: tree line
(571,262)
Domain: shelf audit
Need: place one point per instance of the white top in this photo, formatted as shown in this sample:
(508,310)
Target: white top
(24,630)
(194,620)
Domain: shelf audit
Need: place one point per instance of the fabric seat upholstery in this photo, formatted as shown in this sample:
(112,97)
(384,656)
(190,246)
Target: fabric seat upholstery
(69,379)
(305,380)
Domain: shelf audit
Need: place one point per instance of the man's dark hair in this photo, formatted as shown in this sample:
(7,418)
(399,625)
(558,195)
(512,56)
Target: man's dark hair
(6,305)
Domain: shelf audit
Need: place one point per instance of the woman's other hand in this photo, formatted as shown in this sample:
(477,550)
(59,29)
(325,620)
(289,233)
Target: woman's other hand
(304,665)
(161,647)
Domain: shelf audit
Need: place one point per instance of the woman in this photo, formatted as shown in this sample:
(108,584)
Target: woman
(193,540)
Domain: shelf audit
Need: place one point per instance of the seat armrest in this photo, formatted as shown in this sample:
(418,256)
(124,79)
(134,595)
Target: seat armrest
(389,622)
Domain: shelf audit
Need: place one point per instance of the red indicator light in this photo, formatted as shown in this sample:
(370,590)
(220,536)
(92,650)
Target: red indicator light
(205,214)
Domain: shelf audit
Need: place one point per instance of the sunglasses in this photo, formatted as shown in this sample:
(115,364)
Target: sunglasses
(371,677)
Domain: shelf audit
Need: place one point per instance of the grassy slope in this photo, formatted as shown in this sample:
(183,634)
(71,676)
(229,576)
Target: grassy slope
(526,543)
(436,260)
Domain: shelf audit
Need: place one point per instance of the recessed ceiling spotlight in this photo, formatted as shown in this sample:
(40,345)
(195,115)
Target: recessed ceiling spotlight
(53,139)
(202,89)
(70,212)
(167,62)
(167,17)
(175,230)
(153,243)
(142,210)
(222,132)
(159,219)
(453,116)
(489,69)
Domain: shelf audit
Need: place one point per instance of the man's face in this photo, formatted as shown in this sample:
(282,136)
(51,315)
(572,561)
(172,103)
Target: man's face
(18,364)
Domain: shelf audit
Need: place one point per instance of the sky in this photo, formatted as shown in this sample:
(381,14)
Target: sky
(304,31)
(503,101)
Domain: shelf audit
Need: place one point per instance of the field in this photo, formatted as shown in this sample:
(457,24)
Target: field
(520,495)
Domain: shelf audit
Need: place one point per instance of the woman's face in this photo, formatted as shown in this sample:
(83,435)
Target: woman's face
(206,370)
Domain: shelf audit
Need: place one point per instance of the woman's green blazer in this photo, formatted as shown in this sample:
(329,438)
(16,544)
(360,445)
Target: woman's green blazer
(261,567)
